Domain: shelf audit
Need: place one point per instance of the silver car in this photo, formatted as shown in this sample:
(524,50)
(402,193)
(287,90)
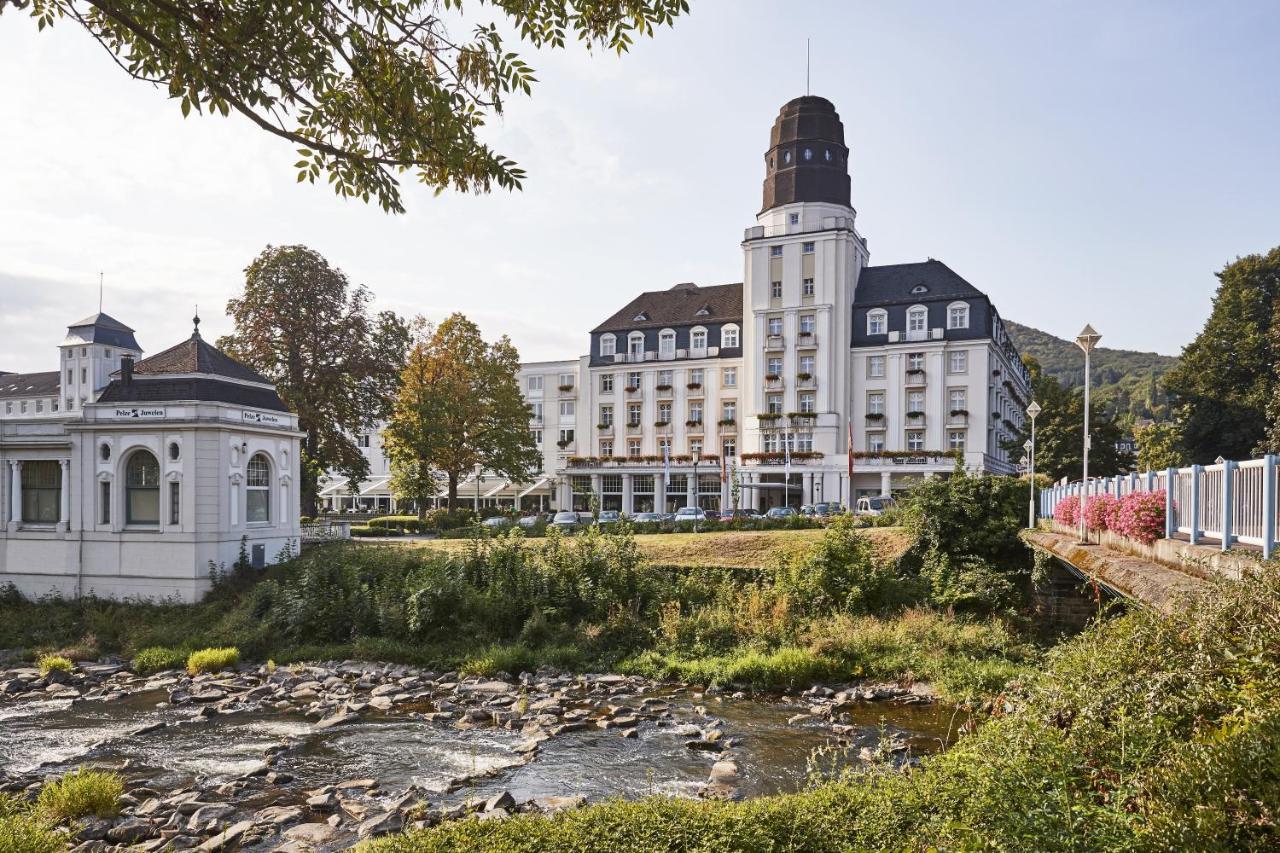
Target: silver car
(566,522)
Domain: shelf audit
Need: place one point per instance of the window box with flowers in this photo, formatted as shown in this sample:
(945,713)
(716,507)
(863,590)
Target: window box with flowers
(693,386)
(726,422)
(768,417)
(604,426)
(661,424)
(772,377)
(564,442)
(662,388)
(875,416)
(915,414)
(565,389)
(780,457)
(631,389)
(959,413)
(804,377)
(691,424)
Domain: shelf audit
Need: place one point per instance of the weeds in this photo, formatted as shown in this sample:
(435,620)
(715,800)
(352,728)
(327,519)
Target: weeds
(81,793)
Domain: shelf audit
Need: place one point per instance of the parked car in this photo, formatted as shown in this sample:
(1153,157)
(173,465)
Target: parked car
(496,522)
(780,512)
(808,509)
(567,522)
(690,513)
(529,521)
(647,518)
(823,510)
(746,513)
(876,506)
(608,518)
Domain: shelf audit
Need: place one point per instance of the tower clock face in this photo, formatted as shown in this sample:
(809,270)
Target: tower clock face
(786,156)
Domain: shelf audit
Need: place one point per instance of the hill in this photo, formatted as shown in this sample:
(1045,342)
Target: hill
(1124,380)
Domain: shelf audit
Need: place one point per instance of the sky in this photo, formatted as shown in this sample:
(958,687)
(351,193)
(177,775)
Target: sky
(1077,161)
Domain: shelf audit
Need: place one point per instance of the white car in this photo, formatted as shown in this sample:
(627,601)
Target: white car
(690,513)
(876,506)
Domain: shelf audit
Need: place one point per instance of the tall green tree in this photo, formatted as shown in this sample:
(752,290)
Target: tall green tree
(1226,377)
(460,407)
(1160,447)
(1060,432)
(364,90)
(301,323)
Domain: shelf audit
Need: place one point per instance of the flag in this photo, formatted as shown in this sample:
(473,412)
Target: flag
(786,452)
(851,451)
(666,464)
(724,468)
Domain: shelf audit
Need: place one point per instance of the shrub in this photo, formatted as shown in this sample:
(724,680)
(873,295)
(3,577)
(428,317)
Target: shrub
(1099,509)
(841,572)
(1067,511)
(403,523)
(212,660)
(80,793)
(24,831)
(155,658)
(49,663)
(1141,516)
(364,531)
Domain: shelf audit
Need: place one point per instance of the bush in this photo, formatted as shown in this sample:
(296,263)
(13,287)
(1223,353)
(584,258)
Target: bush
(22,830)
(1141,516)
(49,663)
(81,793)
(403,523)
(842,572)
(212,660)
(1099,509)
(155,658)
(364,531)
(1067,511)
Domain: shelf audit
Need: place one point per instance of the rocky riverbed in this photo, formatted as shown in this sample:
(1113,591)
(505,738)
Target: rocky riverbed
(319,756)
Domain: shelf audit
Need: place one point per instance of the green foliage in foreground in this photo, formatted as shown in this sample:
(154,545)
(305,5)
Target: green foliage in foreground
(49,663)
(1148,732)
(155,658)
(79,793)
(24,831)
(212,660)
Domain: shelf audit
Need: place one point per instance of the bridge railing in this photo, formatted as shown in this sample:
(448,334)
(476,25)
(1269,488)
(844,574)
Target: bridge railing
(1231,502)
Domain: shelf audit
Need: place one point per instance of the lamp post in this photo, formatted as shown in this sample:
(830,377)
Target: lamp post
(1032,411)
(1086,340)
(697,456)
(478,479)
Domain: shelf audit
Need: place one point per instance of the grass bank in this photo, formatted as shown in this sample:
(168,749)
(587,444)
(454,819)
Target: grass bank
(724,549)
(1147,732)
(823,605)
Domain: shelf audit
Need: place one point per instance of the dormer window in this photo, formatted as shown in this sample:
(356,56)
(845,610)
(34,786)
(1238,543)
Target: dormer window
(917,318)
(698,339)
(608,345)
(729,337)
(919,288)
(667,342)
(958,315)
(641,317)
(877,322)
(635,345)
(702,312)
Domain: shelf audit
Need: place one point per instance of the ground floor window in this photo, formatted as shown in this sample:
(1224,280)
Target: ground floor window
(142,489)
(956,440)
(175,503)
(104,502)
(41,492)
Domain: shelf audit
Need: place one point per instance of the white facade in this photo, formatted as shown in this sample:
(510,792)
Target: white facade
(146,475)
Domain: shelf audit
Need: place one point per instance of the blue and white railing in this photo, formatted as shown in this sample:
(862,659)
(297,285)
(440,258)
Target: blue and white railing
(1232,502)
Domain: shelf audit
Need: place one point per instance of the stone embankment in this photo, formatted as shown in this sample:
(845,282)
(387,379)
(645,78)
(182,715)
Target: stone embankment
(267,808)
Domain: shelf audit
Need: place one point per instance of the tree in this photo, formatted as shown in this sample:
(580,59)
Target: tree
(301,324)
(1060,432)
(1159,447)
(459,407)
(414,480)
(1227,376)
(365,90)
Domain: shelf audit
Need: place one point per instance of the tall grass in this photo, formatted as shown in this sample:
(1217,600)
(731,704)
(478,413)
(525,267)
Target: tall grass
(79,793)
(212,660)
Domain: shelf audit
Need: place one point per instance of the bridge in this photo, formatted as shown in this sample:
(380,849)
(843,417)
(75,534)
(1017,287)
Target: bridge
(1219,519)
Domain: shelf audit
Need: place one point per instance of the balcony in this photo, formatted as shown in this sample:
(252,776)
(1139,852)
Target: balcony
(769,420)
(915,420)
(663,427)
(568,390)
(728,426)
(803,420)
(875,420)
(807,339)
(806,381)
(773,382)
(633,391)
(958,417)
(635,428)
(694,427)
(774,342)
(664,390)
(605,427)
(915,378)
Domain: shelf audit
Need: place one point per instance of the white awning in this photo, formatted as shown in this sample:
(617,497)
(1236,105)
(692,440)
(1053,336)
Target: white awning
(334,489)
(504,484)
(542,482)
(380,484)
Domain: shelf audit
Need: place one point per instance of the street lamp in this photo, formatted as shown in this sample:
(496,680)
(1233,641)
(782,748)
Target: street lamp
(1086,340)
(697,456)
(1032,411)
(478,479)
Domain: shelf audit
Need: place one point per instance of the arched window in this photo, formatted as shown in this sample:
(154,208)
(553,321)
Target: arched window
(667,342)
(917,318)
(41,491)
(877,322)
(635,345)
(142,489)
(958,315)
(257,503)
(608,345)
(698,338)
(729,336)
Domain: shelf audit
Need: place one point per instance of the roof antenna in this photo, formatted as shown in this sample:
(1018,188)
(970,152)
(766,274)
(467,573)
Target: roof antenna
(806,67)
(99,293)
(195,324)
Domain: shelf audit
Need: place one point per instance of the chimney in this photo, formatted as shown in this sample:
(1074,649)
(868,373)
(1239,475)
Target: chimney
(126,369)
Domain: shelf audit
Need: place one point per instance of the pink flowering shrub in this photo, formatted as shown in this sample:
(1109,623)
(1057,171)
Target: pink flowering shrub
(1099,509)
(1067,511)
(1140,516)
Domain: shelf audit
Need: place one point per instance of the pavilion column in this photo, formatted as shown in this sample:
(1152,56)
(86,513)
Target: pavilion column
(628,494)
(15,494)
(690,490)
(597,482)
(64,495)
(886,482)
(806,480)
(660,493)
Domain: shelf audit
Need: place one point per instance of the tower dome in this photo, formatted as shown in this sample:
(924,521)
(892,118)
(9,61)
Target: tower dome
(807,159)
